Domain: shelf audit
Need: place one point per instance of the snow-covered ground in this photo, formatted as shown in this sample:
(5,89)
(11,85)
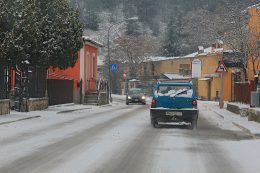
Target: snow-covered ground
(119,138)
(227,119)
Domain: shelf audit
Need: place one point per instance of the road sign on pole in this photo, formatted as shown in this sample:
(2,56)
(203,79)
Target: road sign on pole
(113,67)
(221,69)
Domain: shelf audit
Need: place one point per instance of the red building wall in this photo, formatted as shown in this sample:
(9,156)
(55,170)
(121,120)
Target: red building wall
(87,59)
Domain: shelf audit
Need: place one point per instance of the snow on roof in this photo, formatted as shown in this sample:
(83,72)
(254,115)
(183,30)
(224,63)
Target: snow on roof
(175,76)
(86,38)
(159,58)
(254,6)
(206,51)
(193,55)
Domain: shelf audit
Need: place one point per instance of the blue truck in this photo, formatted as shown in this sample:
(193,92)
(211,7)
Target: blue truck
(174,101)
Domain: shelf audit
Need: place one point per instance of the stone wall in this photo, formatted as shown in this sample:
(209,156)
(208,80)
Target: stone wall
(35,104)
(103,98)
(233,108)
(254,115)
(4,107)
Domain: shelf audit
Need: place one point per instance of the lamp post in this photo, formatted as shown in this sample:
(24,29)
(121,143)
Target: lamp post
(108,53)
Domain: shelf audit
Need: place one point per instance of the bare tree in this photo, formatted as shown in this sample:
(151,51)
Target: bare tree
(133,51)
(232,28)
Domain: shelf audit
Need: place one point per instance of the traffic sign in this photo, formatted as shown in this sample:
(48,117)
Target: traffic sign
(113,67)
(221,68)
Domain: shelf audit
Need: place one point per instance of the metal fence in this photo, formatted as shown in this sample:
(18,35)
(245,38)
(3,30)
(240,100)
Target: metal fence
(4,84)
(37,82)
(242,91)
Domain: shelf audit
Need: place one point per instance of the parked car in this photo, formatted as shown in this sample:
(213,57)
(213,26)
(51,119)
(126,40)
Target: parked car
(135,95)
(174,101)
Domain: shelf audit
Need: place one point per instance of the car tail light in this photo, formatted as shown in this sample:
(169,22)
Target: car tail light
(153,103)
(194,103)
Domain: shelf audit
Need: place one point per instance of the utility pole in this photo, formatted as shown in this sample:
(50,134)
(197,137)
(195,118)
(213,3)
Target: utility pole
(108,54)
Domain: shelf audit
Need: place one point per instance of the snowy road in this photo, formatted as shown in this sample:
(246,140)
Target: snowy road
(120,139)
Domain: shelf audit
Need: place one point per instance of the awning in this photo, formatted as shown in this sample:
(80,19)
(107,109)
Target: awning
(204,79)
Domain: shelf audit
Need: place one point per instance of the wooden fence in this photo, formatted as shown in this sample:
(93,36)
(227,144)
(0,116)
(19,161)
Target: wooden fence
(242,92)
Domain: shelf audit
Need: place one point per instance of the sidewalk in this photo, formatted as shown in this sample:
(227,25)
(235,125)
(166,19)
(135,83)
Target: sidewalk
(251,127)
(51,111)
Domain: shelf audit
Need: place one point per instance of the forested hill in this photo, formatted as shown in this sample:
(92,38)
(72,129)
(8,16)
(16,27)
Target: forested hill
(190,22)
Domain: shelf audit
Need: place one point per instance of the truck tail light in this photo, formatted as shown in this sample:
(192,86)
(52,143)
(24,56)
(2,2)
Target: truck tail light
(153,105)
(194,103)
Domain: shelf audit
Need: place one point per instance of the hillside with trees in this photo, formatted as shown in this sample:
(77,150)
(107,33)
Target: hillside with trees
(179,25)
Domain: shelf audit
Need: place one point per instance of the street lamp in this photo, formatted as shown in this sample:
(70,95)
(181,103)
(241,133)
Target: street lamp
(108,51)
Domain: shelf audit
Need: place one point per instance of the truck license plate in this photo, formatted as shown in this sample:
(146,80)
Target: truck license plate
(173,113)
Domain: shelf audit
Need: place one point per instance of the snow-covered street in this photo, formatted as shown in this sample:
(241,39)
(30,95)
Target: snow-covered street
(119,139)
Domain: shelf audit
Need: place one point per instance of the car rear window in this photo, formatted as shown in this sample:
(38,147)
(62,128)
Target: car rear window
(173,91)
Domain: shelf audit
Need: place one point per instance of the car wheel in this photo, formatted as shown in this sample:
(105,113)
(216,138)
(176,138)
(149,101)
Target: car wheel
(193,124)
(154,123)
(144,103)
(127,103)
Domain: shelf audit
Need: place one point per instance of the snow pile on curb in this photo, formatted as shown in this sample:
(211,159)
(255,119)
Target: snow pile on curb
(241,122)
(51,111)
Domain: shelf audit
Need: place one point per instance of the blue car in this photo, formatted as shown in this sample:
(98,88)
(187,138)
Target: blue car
(174,101)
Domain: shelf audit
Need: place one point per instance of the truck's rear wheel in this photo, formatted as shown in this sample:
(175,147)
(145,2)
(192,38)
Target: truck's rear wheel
(154,123)
(193,124)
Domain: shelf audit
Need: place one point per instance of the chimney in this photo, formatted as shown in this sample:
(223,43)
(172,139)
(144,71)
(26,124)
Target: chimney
(219,44)
(200,49)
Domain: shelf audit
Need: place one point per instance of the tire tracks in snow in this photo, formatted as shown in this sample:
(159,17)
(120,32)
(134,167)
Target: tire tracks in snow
(50,156)
(48,129)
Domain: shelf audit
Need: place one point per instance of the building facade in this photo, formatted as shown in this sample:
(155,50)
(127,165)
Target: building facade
(84,72)
(208,83)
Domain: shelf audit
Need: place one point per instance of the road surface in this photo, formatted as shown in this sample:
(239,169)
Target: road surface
(120,139)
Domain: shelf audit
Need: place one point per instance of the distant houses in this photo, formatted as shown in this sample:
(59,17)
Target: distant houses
(208,59)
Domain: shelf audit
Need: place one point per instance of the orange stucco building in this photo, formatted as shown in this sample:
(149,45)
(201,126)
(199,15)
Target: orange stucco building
(84,70)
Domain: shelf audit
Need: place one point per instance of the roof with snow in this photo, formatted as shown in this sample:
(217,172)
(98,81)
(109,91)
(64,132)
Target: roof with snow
(160,58)
(192,55)
(254,6)
(206,52)
(175,76)
(88,39)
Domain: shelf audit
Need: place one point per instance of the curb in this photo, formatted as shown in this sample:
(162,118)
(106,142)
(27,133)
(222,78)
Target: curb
(105,105)
(244,129)
(22,119)
(72,110)
(256,136)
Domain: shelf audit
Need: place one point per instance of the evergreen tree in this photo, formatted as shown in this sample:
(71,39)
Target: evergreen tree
(46,33)
(172,42)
